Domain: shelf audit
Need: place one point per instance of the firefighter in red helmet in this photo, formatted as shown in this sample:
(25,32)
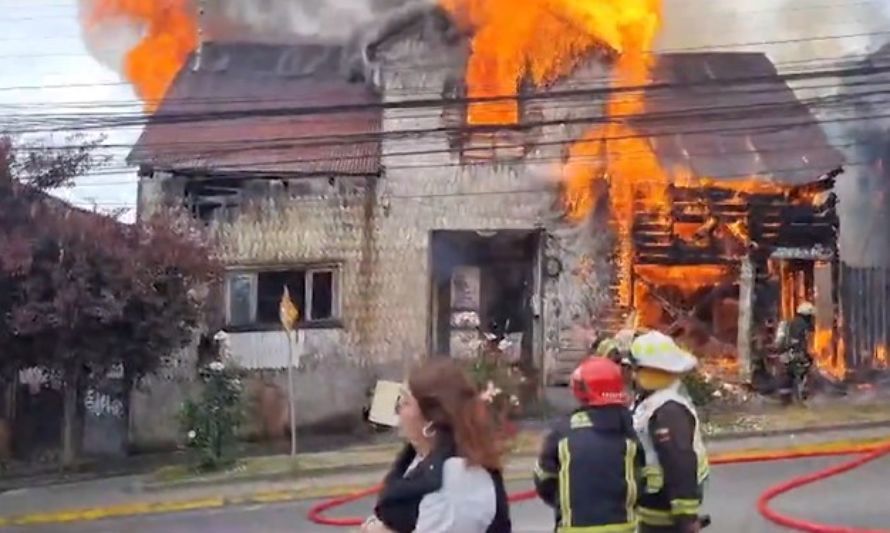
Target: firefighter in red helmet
(591,461)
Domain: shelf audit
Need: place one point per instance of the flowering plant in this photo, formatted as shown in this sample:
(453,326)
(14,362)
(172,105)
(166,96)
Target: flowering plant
(211,422)
(498,378)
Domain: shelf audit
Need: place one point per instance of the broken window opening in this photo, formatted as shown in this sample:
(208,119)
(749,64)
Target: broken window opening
(253,298)
(492,143)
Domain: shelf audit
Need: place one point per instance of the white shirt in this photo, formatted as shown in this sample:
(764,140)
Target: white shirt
(466,503)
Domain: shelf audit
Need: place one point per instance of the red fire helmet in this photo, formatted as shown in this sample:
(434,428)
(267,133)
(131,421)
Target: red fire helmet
(598,381)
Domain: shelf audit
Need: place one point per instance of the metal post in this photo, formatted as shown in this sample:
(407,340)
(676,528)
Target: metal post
(288,313)
(290,394)
(883,300)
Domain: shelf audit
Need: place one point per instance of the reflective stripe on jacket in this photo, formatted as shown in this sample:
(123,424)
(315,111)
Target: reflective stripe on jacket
(669,430)
(589,471)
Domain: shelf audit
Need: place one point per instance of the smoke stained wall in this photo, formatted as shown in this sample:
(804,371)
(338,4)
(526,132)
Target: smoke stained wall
(326,19)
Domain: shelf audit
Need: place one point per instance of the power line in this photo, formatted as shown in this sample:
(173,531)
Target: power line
(198,101)
(689,114)
(414,67)
(822,103)
(92,121)
(535,190)
(625,154)
(704,112)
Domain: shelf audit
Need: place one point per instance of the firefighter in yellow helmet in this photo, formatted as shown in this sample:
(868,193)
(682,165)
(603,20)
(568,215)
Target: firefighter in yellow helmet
(608,348)
(793,340)
(667,424)
(617,349)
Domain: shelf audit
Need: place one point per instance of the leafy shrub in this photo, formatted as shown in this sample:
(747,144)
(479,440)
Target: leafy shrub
(211,422)
(700,389)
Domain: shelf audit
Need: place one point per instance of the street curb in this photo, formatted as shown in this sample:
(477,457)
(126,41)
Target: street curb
(803,430)
(370,466)
(333,491)
(161,486)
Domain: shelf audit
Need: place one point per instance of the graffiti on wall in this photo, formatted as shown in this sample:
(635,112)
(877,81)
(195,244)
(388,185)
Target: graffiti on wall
(99,404)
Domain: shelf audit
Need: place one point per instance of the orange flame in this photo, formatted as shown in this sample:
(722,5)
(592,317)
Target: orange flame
(880,356)
(169,35)
(541,40)
(826,360)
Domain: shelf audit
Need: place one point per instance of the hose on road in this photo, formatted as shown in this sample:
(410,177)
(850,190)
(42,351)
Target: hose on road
(873,450)
(788,486)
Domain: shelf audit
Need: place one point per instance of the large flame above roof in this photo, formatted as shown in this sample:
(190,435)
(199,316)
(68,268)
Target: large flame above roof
(168,33)
(540,40)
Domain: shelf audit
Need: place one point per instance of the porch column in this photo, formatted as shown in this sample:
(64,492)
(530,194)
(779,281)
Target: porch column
(746,318)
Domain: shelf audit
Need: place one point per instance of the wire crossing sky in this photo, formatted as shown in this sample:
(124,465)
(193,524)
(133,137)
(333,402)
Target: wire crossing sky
(49,81)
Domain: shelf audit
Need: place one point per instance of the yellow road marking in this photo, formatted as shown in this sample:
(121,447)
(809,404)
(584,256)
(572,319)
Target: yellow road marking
(144,508)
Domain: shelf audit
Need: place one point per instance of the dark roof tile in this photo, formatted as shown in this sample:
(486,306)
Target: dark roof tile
(730,115)
(240,110)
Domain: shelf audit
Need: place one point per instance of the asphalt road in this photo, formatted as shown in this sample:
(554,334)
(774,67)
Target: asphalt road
(859,498)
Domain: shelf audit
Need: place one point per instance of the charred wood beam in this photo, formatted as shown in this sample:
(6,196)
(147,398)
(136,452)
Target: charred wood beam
(708,299)
(677,312)
(674,257)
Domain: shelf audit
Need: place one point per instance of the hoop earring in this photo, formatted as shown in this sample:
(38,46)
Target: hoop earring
(428,430)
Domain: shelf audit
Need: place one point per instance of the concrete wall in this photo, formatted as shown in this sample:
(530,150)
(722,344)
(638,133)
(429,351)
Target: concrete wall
(156,401)
(329,395)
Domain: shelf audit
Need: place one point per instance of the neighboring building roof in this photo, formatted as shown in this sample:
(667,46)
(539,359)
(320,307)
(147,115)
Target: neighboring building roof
(239,113)
(730,115)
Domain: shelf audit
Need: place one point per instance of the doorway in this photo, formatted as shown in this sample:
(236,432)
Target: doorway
(489,282)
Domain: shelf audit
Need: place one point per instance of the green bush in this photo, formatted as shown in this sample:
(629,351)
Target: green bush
(700,389)
(211,422)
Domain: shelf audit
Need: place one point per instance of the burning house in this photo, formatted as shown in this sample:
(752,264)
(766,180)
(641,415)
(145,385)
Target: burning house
(408,195)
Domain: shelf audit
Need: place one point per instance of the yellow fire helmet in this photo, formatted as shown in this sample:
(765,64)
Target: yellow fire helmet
(806,309)
(658,351)
(624,339)
(605,347)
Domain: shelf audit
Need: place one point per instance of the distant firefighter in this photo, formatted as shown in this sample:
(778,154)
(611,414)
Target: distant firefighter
(793,341)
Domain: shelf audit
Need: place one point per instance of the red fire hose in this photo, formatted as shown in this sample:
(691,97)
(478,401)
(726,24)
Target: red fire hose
(812,527)
(873,451)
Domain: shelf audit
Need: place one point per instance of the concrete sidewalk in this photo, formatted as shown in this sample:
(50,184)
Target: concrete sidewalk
(127,496)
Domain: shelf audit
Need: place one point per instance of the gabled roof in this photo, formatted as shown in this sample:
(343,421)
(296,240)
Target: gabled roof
(244,111)
(731,115)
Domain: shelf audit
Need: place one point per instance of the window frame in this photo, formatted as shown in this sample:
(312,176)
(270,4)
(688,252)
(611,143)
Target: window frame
(306,321)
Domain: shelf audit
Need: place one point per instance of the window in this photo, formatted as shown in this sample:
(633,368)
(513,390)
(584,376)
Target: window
(507,141)
(253,297)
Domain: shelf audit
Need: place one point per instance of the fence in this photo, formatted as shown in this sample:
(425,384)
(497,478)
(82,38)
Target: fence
(865,311)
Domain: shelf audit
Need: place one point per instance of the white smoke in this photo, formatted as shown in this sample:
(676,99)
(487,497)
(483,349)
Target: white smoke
(108,40)
(788,31)
(335,20)
(808,36)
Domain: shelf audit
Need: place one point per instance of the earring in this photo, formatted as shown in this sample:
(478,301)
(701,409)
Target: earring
(428,430)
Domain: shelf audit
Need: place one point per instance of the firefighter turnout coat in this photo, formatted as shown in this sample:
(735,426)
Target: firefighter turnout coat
(589,471)
(676,460)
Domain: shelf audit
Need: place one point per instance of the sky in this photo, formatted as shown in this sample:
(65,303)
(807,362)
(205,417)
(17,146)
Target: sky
(44,66)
